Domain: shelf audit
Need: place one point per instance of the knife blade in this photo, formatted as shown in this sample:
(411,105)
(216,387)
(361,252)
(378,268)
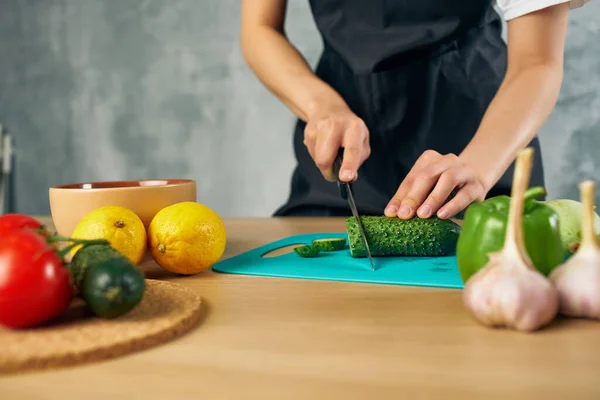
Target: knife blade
(346,193)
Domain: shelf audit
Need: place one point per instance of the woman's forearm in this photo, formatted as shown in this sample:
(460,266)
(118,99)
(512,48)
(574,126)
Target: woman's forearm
(527,95)
(521,106)
(284,71)
(330,124)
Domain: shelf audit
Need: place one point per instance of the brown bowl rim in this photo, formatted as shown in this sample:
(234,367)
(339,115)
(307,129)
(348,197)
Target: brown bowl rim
(122,184)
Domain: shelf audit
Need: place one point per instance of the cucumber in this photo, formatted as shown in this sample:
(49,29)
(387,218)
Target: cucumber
(307,251)
(112,287)
(89,255)
(108,282)
(333,244)
(390,236)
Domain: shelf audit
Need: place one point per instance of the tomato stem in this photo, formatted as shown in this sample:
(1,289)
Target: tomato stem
(58,238)
(74,243)
(67,249)
(41,231)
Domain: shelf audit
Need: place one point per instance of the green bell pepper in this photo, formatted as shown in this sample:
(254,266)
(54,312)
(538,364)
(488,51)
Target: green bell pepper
(484,230)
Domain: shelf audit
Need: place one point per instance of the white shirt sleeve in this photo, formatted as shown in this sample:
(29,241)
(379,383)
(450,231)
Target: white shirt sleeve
(511,9)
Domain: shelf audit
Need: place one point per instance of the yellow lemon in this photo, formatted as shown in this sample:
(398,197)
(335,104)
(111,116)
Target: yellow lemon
(120,226)
(186,238)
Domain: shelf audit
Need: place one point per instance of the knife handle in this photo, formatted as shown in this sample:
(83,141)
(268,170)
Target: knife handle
(337,165)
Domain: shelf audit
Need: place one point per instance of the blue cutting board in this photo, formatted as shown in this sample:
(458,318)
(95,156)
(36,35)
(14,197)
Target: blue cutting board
(340,266)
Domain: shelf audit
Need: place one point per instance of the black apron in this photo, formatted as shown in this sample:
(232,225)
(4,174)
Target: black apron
(421,74)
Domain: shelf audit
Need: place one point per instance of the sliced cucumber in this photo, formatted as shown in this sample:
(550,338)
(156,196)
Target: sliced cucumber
(332,244)
(307,251)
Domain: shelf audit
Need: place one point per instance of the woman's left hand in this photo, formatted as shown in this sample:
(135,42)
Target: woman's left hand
(429,184)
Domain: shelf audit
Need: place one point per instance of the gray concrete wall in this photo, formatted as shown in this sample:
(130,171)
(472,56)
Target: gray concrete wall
(131,89)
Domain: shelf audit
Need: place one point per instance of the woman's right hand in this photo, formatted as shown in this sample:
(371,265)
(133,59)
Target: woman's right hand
(329,129)
(282,69)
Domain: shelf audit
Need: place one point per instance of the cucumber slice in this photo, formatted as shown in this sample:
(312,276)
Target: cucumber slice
(332,244)
(307,251)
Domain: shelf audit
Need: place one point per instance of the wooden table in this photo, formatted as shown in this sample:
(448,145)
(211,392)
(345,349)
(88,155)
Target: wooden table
(285,339)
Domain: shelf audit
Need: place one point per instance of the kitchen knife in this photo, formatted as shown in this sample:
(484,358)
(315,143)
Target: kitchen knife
(346,193)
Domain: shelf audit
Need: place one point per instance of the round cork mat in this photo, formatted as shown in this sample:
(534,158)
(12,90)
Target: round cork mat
(166,311)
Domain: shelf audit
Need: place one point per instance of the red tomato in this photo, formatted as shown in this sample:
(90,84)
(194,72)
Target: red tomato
(12,222)
(35,286)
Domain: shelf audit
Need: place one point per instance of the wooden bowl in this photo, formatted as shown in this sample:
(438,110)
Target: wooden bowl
(70,203)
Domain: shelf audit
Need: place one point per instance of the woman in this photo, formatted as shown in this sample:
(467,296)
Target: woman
(428,103)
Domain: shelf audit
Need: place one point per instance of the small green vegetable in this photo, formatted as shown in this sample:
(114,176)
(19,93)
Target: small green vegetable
(87,256)
(112,287)
(569,214)
(389,236)
(307,251)
(333,244)
(484,231)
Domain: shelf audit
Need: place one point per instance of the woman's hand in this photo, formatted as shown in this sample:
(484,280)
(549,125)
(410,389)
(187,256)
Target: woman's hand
(429,184)
(521,105)
(280,66)
(329,129)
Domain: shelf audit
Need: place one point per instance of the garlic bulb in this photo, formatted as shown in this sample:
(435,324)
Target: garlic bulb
(509,292)
(578,279)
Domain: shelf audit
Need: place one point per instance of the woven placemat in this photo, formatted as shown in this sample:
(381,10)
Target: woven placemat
(166,311)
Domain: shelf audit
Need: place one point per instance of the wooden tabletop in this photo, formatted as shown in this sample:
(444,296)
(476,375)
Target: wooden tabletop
(273,338)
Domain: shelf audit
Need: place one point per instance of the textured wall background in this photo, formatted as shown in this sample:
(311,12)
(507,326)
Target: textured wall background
(131,89)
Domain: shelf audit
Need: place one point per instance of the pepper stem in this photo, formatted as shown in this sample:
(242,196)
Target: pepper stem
(587,190)
(534,192)
(515,241)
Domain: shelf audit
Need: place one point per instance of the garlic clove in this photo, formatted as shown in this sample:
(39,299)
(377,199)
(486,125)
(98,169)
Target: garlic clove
(578,279)
(509,291)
